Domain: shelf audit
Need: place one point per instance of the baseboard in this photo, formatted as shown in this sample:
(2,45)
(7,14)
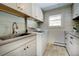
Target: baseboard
(59,44)
(64,47)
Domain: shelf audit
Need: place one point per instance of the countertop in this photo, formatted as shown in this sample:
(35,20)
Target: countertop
(2,42)
(74,34)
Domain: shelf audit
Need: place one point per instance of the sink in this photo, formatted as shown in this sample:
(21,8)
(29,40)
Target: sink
(12,36)
(23,34)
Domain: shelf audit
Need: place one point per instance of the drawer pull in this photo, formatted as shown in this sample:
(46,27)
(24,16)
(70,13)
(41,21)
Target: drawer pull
(70,42)
(71,37)
(18,7)
(24,48)
(27,47)
(65,38)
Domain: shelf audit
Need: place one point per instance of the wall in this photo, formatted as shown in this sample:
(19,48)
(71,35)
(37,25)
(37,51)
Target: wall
(31,23)
(56,34)
(6,21)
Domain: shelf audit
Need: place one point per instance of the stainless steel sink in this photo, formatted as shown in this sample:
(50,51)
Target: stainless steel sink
(13,36)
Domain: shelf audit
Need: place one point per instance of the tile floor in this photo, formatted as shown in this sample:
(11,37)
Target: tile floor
(54,50)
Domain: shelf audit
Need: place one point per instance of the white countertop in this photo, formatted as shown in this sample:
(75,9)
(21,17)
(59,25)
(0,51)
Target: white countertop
(2,42)
(74,34)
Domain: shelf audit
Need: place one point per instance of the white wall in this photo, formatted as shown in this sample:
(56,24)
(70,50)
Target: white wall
(56,34)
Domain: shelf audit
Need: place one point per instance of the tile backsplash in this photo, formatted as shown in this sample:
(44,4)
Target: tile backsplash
(6,21)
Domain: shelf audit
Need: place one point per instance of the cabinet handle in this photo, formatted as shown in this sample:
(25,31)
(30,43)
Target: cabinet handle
(70,42)
(65,38)
(27,47)
(71,37)
(21,9)
(18,7)
(24,48)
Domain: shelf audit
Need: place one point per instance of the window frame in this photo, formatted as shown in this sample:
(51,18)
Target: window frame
(55,20)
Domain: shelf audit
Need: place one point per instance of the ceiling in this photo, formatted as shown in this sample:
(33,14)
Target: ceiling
(49,6)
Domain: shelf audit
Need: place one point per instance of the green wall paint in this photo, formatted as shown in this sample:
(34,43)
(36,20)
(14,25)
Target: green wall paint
(6,21)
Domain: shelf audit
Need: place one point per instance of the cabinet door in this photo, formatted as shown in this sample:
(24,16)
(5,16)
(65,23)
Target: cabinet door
(34,10)
(28,49)
(11,5)
(22,7)
(28,8)
(75,10)
(75,48)
(25,8)
(72,45)
(17,52)
(31,48)
(39,13)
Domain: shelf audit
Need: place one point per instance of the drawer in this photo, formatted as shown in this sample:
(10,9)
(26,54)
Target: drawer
(74,39)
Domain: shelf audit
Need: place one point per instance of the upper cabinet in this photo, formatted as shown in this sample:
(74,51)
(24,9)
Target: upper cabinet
(75,10)
(30,9)
(12,5)
(25,8)
(37,12)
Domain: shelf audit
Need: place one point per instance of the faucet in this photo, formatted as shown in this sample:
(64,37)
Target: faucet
(14,28)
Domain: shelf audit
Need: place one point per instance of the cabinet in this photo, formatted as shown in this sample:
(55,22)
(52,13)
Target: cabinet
(34,10)
(75,10)
(41,43)
(17,52)
(24,46)
(11,5)
(31,48)
(27,49)
(72,43)
(25,8)
(30,9)
(37,12)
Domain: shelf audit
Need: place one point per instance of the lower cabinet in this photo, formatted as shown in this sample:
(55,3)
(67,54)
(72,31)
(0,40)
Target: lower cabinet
(24,46)
(18,52)
(31,49)
(72,43)
(28,49)
(41,43)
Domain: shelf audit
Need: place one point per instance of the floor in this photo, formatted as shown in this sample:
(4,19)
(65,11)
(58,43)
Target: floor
(55,50)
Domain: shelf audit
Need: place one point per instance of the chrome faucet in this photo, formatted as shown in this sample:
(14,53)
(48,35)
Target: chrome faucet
(14,28)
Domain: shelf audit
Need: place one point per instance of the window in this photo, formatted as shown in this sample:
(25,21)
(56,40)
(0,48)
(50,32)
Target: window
(55,20)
